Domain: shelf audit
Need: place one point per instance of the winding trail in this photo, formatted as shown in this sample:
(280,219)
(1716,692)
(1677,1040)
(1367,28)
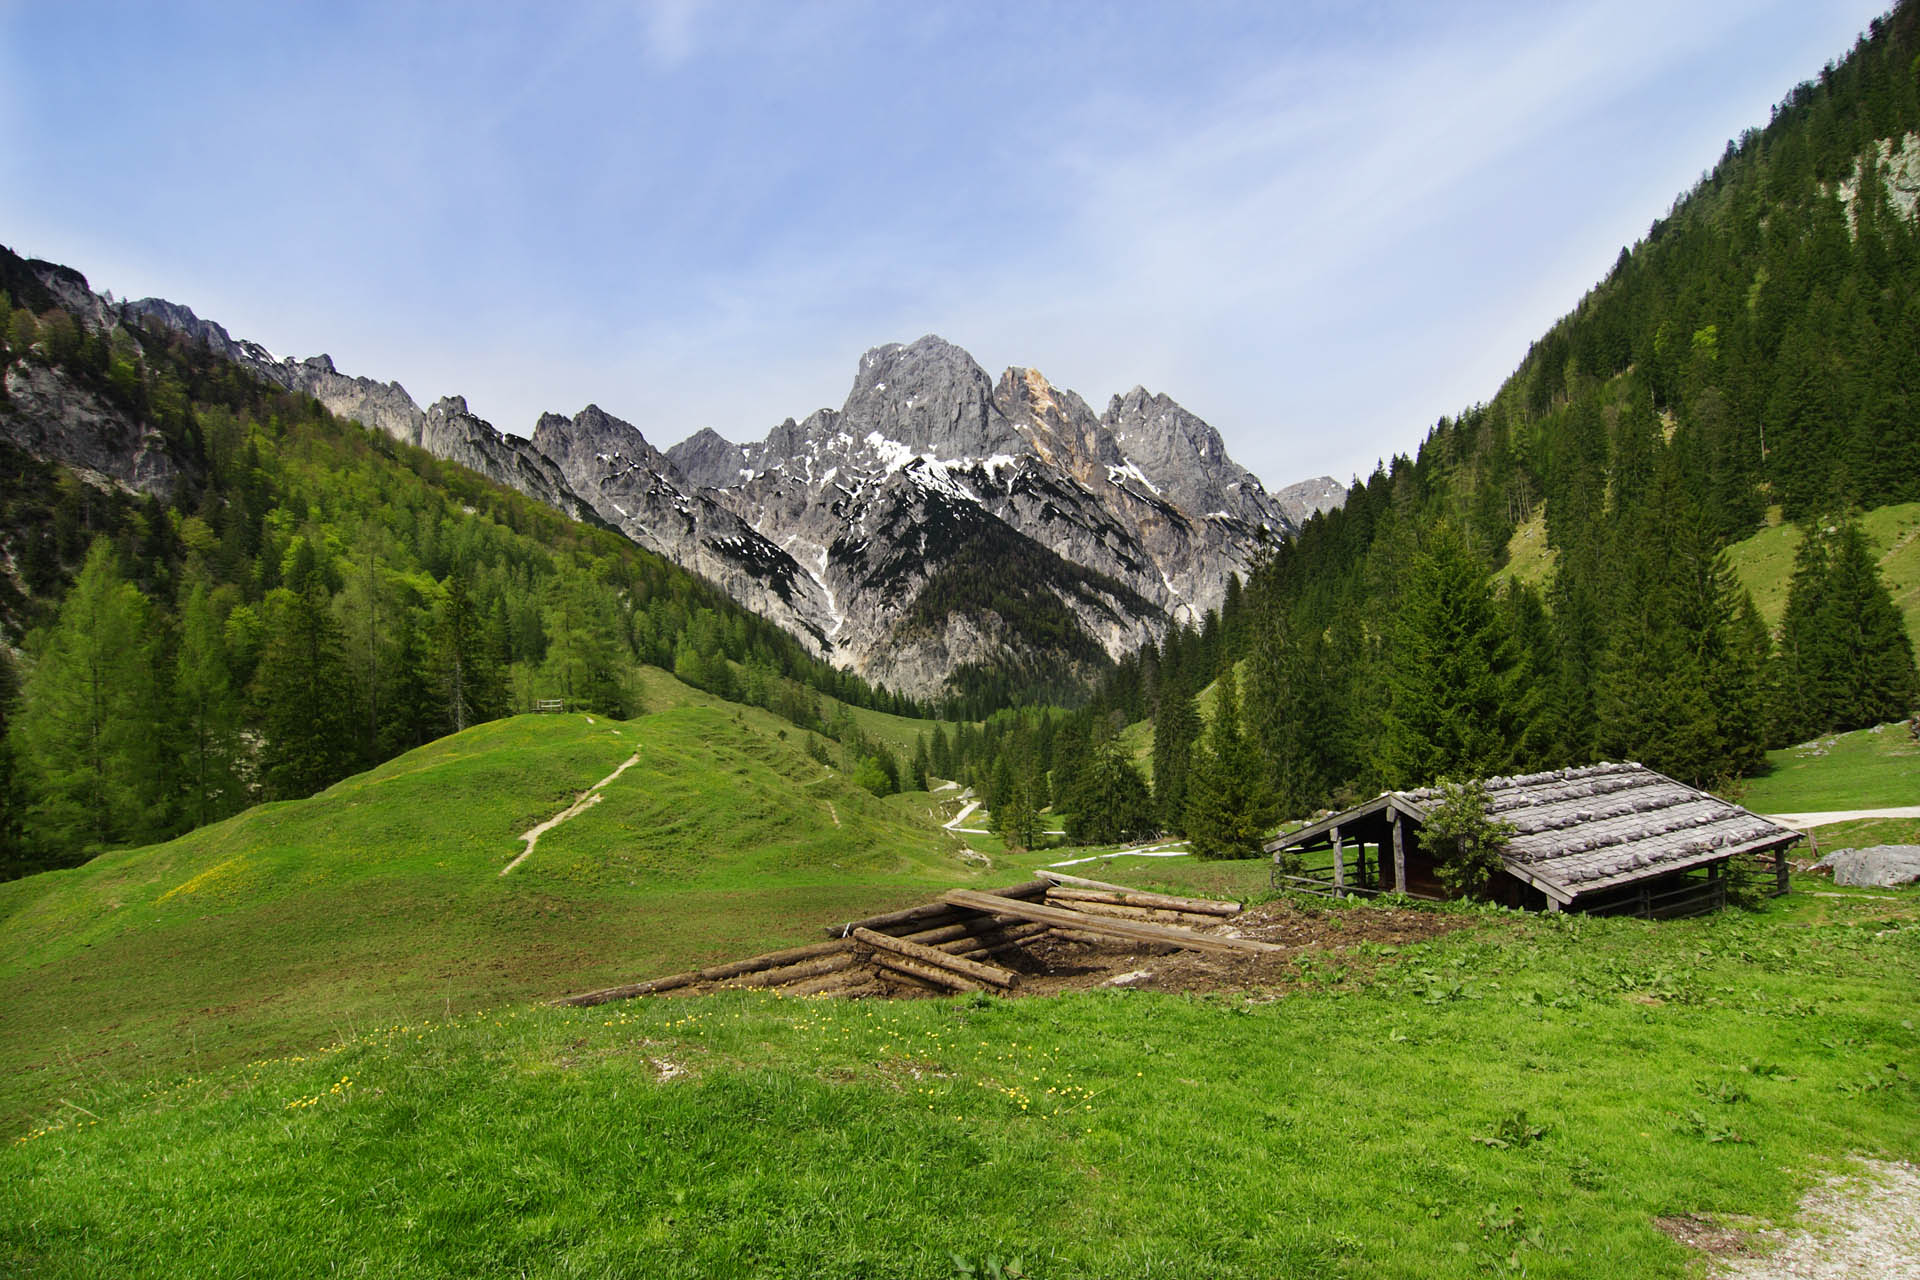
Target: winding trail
(962,816)
(1144,851)
(588,798)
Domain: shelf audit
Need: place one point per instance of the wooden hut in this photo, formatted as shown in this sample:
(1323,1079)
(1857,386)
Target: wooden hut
(1608,838)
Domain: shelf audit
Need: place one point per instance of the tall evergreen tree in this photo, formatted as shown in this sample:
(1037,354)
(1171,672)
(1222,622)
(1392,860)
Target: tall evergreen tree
(1176,726)
(87,736)
(206,715)
(469,673)
(1106,800)
(1845,658)
(1450,673)
(305,696)
(1872,654)
(1228,803)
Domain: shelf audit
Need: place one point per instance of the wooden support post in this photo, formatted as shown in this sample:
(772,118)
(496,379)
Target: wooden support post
(1339,866)
(1399,856)
(1780,872)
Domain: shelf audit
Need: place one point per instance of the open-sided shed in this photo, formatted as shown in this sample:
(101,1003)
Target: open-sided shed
(1606,838)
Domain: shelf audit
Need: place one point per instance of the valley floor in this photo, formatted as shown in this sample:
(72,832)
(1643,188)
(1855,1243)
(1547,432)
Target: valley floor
(1512,1094)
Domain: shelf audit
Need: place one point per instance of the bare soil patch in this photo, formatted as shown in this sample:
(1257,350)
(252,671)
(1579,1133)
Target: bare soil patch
(1051,964)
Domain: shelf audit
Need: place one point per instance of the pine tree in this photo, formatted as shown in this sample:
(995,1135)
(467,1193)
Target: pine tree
(1845,660)
(87,736)
(1106,800)
(1014,817)
(1176,726)
(1450,673)
(1227,799)
(206,713)
(13,859)
(469,673)
(917,771)
(304,695)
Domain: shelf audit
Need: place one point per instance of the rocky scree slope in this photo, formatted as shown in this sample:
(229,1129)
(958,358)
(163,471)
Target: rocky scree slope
(937,520)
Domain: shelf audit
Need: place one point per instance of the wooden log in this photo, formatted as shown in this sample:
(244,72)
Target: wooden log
(928,914)
(1136,913)
(1134,930)
(1081,882)
(772,959)
(1156,901)
(923,916)
(1339,865)
(972,970)
(652,986)
(987,943)
(795,972)
(925,974)
(970,924)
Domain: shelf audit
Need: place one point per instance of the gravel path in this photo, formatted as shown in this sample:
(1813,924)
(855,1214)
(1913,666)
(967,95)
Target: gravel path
(1801,821)
(1865,1223)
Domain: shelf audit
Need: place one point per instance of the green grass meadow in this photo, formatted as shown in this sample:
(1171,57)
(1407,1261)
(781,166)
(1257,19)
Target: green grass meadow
(1522,1097)
(1876,768)
(314,1039)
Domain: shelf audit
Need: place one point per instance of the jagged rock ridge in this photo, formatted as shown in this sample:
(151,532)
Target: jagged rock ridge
(938,519)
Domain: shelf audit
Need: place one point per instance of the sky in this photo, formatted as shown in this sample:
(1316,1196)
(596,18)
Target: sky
(1319,225)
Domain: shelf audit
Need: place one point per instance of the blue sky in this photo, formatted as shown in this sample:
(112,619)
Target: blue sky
(1318,225)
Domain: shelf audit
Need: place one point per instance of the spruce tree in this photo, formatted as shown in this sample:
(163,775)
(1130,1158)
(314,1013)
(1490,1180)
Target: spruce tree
(469,672)
(1106,799)
(206,715)
(304,696)
(1176,726)
(1227,798)
(1450,673)
(1846,660)
(88,733)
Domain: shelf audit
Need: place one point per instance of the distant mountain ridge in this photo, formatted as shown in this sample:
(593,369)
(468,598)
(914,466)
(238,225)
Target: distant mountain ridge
(938,521)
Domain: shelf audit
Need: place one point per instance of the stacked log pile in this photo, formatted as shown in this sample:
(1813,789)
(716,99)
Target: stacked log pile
(947,946)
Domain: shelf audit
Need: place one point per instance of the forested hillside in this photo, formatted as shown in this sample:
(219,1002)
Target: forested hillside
(1755,357)
(300,599)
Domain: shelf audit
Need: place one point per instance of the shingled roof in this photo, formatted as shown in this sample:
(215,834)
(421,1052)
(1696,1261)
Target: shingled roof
(1580,831)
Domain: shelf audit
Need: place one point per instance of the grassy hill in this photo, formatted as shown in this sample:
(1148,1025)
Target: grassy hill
(382,899)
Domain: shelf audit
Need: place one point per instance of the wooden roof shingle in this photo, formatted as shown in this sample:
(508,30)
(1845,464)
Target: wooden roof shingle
(1578,831)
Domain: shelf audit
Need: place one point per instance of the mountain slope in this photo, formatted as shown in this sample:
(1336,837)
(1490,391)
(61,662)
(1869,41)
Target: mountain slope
(1755,351)
(1141,514)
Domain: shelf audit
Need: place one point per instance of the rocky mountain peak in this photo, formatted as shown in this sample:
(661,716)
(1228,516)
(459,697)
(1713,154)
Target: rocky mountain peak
(1061,429)
(929,396)
(709,459)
